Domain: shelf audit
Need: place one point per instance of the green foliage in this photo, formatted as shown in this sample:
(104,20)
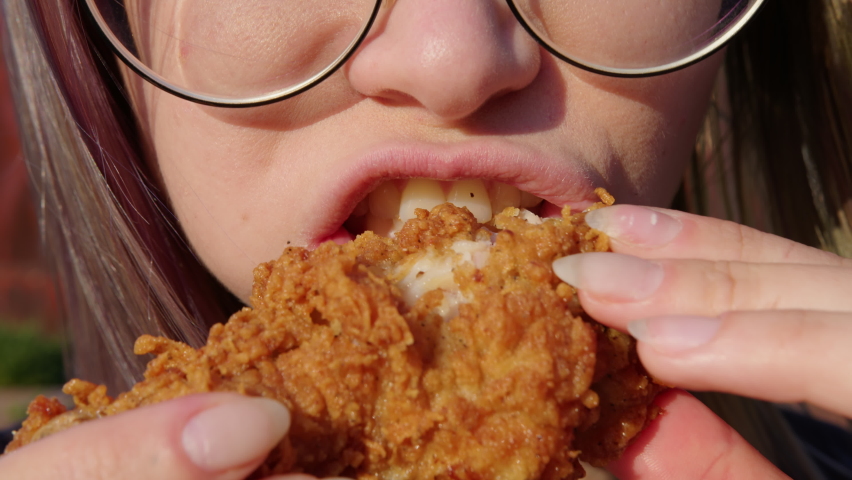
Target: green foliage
(29,357)
(17,412)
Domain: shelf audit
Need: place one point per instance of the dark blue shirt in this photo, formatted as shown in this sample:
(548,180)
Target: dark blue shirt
(6,437)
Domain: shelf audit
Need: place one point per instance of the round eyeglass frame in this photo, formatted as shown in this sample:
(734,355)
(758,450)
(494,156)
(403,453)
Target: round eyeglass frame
(152,77)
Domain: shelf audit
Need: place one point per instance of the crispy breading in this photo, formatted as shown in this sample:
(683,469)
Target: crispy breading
(502,377)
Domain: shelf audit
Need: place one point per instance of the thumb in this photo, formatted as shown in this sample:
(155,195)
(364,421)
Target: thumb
(688,441)
(213,436)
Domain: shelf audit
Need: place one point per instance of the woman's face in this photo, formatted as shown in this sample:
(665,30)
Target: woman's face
(440,89)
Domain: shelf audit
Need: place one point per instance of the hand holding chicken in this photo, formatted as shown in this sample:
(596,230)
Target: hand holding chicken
(721,307)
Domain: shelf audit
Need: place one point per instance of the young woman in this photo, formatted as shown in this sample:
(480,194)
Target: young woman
(159,198)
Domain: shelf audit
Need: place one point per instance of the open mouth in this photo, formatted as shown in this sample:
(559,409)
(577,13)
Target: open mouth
(385,209)
(380,189)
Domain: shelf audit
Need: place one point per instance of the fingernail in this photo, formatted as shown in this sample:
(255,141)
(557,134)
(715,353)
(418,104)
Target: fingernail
(234,433)
(676,333)
(635,225)
(611,276)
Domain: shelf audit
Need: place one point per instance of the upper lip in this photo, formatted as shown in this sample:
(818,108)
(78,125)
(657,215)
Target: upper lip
(559,181)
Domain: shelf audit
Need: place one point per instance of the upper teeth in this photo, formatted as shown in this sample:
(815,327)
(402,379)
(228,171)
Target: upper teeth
(387,208)
(419,193)
(473,195)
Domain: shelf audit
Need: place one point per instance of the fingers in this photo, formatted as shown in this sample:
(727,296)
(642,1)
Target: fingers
(616,288)
(772,331)
(660,233)
(789,356)
(201,437)
(769,330)
(689,441)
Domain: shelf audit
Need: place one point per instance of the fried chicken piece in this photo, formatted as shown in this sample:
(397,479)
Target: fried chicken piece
(448,352)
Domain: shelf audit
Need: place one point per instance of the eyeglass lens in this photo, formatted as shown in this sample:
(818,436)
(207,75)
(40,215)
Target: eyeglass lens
(631,35)
(235,49)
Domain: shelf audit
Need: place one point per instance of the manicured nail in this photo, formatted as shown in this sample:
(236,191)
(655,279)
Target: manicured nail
(636,225)
(234,433)
(610,276)
(675,333)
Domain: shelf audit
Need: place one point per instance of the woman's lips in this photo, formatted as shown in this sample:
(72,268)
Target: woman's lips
(558,182)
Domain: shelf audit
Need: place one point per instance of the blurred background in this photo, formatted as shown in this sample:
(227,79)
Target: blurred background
(30,344)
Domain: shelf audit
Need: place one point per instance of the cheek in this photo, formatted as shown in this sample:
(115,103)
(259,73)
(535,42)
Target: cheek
(241,192)
(651,126)
(225,186)
(211,197)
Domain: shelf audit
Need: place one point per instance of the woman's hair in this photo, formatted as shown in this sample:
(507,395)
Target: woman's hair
(121,262)
(774,153)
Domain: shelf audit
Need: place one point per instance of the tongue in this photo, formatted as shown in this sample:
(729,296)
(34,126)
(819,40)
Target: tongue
(549,210)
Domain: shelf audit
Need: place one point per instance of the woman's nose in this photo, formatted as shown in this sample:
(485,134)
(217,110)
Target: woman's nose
(450,56)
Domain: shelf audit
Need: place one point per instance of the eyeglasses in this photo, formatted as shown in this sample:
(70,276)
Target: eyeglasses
(240,53)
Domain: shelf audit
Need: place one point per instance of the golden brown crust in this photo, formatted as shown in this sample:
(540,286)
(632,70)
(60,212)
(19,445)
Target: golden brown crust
(517,385)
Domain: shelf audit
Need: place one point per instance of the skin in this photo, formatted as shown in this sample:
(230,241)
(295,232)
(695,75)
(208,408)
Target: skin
(440,74)
(233,176)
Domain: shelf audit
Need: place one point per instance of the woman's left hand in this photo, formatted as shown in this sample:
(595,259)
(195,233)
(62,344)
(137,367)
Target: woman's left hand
(723,307)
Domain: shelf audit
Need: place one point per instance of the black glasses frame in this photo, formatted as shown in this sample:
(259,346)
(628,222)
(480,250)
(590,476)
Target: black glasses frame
(140,69)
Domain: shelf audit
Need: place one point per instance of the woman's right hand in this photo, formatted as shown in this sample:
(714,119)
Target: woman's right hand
(214,436)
